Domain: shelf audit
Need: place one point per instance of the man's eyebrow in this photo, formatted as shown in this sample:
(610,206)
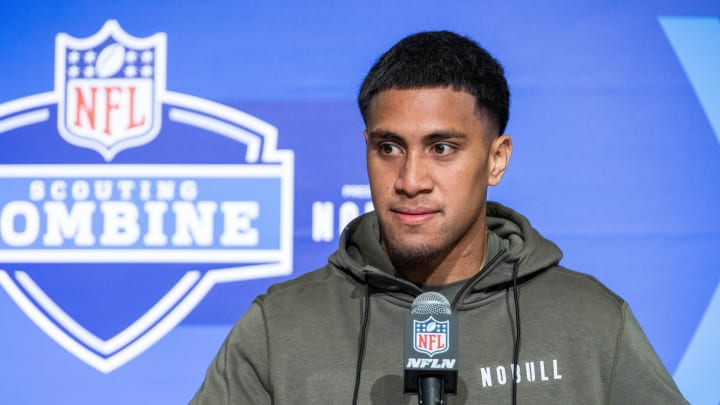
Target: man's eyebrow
(384,135)
(431,137)
(444,135)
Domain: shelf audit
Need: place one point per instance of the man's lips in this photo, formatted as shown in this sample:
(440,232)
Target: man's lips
(414,216)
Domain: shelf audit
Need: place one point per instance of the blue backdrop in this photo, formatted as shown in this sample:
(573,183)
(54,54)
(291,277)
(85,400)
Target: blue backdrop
(134,233)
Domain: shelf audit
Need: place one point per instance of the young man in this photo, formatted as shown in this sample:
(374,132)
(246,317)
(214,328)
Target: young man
(435,108)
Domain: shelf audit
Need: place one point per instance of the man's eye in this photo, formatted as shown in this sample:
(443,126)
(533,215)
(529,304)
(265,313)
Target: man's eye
(389,149)
(442,148)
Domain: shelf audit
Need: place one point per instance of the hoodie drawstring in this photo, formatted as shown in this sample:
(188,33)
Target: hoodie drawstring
(516,343)
(361,344)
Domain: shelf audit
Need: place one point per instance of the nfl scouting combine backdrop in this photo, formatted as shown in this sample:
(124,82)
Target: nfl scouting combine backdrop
(71,224)
(162,163)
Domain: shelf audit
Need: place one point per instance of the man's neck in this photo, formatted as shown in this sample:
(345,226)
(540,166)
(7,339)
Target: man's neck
(456,266)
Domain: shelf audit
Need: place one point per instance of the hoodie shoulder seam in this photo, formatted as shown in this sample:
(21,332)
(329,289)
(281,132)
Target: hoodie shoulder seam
(313,277)
(594,283)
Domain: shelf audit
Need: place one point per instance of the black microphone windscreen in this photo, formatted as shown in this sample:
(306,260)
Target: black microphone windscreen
(430,303)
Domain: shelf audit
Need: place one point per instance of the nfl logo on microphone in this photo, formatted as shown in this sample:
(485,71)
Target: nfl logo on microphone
(431,336)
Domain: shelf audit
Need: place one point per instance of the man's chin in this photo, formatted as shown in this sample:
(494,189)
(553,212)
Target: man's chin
(412,256)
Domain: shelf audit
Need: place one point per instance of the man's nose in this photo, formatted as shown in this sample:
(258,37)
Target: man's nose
(415,176)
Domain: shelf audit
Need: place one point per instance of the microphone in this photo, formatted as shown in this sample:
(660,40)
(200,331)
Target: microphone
(431,349)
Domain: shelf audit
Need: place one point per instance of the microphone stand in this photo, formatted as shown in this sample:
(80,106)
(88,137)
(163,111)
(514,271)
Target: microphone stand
(431,390)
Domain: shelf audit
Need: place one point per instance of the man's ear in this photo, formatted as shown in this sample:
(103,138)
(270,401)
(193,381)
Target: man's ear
(499,157)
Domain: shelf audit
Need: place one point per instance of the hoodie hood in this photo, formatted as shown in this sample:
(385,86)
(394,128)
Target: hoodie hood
(361,255)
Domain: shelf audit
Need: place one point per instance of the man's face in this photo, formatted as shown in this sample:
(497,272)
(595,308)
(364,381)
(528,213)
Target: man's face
(430,159)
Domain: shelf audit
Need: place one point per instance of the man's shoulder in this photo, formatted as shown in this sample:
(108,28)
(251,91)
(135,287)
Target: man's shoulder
(308,285)
(576,286)
(311,296)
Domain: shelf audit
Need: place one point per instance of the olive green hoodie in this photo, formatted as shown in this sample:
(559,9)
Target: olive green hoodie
(318,338)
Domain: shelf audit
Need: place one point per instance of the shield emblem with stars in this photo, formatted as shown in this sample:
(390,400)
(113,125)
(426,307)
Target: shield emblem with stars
(109,88)
(431,336)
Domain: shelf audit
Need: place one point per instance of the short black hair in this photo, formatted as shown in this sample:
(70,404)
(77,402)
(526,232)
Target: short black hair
(441,59)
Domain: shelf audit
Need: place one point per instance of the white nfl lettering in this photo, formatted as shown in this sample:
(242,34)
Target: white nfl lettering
(486,377)
(448,363)
(543,376)
(238,216)
(121,223)
(430,363)
(413,363)
(155,235)
(63,224)
(530,371)
(498,375)
(323,217)
(501,375)
(556,374)
(19,238)
(193,223)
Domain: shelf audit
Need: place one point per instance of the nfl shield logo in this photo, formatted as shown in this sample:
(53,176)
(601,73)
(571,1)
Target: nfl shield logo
(431,337)
(109,89)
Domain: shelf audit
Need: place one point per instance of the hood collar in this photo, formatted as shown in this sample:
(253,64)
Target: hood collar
(361,255)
